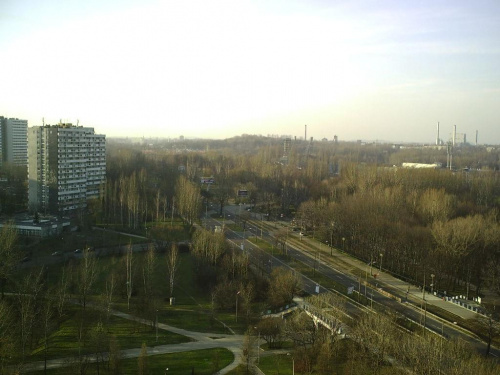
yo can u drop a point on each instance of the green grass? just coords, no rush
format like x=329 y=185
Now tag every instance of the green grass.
x=276 y=364
x=70 y=241
x=204 y=362
x=240 y=370
x=342 y=362
x=63 y=342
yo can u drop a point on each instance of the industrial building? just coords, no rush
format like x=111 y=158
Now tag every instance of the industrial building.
x=66 y=167
x=13 y=141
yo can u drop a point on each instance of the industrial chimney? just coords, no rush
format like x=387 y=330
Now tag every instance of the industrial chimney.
x=437 y=138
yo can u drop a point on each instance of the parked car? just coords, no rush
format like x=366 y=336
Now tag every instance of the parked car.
x=77 y=251
x=56 y=253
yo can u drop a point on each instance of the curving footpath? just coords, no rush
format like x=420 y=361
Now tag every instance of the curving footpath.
x=201 y=341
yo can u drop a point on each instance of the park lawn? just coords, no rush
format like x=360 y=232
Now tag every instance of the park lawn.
x=63 y=342
x=342 y=362
x=191 y=309
x=170 y=231
x=240 y=370
x=70 y=241
x=276 y=364
x=204 y=362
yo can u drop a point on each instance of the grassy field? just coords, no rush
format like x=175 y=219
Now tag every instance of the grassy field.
x=342 y=362
x=69 y=241
x=191 y=310
x=63 y=342
x=203 y=362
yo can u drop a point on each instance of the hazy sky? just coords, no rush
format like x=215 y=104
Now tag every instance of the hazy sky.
x=372 y=70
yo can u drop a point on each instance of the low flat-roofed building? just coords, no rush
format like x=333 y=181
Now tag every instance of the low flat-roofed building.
x=45 y=226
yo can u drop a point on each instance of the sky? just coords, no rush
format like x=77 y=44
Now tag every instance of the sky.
x=372 y=70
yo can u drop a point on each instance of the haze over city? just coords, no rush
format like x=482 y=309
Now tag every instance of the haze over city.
x=386 y=70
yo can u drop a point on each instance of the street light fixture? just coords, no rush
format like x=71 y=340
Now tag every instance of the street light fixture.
x=432 y=283
x=237 y=306
x=381 y=256
x=156 y=325
x=343 y=244
x=258 y=345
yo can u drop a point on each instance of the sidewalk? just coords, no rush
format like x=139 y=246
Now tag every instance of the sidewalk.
x=201 y=341
x=384 y=278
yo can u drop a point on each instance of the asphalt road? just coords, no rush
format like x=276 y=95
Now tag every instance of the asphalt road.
x=408 y=310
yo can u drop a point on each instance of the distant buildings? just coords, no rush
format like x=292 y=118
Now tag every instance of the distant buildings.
x=66 y=167
x=13 y=141
x=422 y=165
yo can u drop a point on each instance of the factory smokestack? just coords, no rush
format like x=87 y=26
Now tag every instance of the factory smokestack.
x=305 y=132
x=476 y=136
x=454 y=135
x=437 y=138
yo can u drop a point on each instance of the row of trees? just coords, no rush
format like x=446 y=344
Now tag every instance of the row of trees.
x=407 y=216
x=145 y=185
x=414 y=223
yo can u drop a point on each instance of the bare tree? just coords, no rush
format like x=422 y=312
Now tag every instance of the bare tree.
x=7 y=334
x=99 y=342
x=148 y=270
x=9 y=258
x=283 y=286
x=142 y=361
x=271 y=330
x=28 y=305
x=249 y=350
x=110 y=288
x=115 y=357
x=172 y=265
x=47 y=313
x=129 y=262
x=87 y=273
x=158 y=201
x=246 y=294
x=61 y=290
x=188 y=199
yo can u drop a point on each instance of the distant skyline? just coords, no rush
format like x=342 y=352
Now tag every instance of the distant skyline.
x=371 y=70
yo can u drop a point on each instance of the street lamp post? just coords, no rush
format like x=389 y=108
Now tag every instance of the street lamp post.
x=156 y=325
x=366 y=277
x=261 y=224
x=343 y=244
x=381 y=256
x=371 y=264
x=258 y=345
x=432 y=283
x=237 y=306
x=425 y=304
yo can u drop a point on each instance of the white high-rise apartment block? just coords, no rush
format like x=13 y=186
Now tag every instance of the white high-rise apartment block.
x=66 y=167
x=14 y=140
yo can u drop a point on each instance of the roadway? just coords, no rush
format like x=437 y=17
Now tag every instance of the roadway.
x=409 y=309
